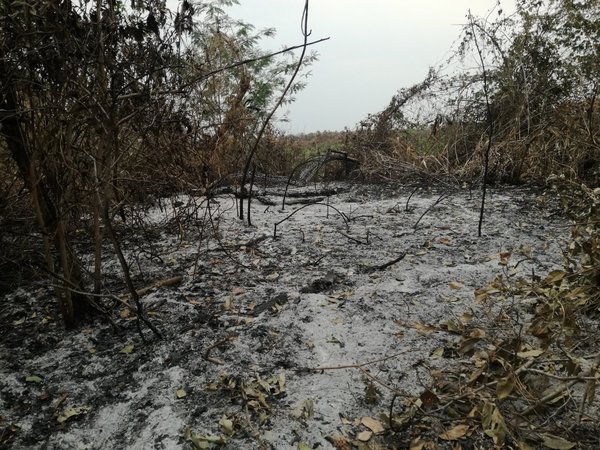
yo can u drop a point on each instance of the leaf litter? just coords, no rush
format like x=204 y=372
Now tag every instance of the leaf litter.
x=344 y=332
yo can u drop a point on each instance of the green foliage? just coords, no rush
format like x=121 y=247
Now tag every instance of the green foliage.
x=106 y=103
x=582 y=285
x=542 y=70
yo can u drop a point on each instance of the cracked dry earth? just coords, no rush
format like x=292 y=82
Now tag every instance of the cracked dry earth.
x=254 y=316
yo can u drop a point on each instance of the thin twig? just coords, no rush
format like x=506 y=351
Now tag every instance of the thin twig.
x=263 y=128
x=358 y=241
x=244 y=62
x=225 y=340
x=125 y=268
x=356 y=366
x=439 y=200
x=490 y=120
x=341 y=214
x=385 y=265
x=558 y=377
x=409 y=197
x=362 y=368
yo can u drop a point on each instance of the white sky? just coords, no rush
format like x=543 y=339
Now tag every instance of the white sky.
x=376 y=48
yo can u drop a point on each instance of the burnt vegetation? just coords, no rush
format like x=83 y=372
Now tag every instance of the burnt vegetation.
x=109 y=108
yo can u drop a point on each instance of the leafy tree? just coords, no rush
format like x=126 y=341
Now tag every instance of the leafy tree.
x=543 y=66
x=105 y=102
x=536 y=75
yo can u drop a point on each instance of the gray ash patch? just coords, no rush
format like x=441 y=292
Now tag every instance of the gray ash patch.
x=251 y=309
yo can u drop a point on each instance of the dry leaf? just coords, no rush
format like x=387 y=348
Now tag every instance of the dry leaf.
x=540 y=329
x=204 y=442
x=127 y=349
x=555 y=392
x=33 y=379
x=477 y=333
x=423 y=328
x=374 y=425
x=530 y=353
x=458 y=432
x=72 y=412
x=455 y=285
x=226 y=425
x=452 y=325
x=514 y=271
x=523 y=446
x=466 y=318
x=437 y=353
x=339 y=442
x=303 y=410
x=504 y=387
x=481 y=295
x=590 y=391
x=476 y=374
x=473 y=413
x=555 y=276
x=364 y=436
x=504 y=258
x=467 y=345
x=281 y=382
x=493 y=423
x=418 y=444
x=556 y=442
x=428 y=398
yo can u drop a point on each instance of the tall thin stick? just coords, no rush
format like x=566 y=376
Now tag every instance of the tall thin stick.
x=306 y=34
x=141 y=315
x=490 y=127
x=250 y=193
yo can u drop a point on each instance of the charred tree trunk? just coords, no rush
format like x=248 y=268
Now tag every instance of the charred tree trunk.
x=74 y=307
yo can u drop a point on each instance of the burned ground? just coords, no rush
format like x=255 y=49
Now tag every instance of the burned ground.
x=298 y=341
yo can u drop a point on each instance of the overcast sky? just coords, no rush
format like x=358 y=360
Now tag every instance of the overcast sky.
x=376 y=48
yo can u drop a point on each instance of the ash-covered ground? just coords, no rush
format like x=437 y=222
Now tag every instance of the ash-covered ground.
x=282 y=342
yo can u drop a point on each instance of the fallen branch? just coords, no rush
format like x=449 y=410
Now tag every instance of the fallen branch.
x=554 y=392
x=385 y=265
x=223 y=341
x=341 y=214
x=305 y=201
x=265 y=200
x=319 y=193
x=161 y=283
x=560 y=388
x=362 y=368
x=358 y=241
x=354 y=366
